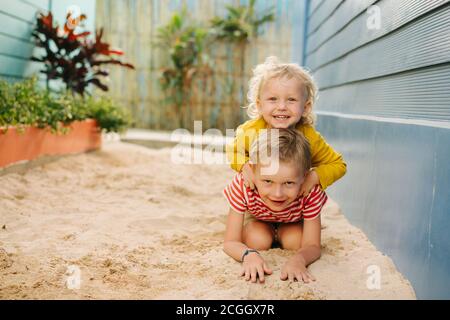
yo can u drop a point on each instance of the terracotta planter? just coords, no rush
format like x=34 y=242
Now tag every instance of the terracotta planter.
x=34 y=142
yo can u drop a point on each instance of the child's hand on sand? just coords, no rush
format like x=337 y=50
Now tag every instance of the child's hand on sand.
x=311 y=180
x=253 y=267
x=247 y=172
x=295 y=268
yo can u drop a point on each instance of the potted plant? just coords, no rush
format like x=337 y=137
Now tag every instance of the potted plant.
x=36 y=122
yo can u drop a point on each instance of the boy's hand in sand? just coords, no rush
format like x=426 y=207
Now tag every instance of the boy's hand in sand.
x=294 y=269
x=311 y=180
x=254 y=267
x=247 y=172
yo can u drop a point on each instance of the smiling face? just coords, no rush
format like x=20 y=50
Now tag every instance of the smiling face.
x=279 y=190
x=282 y=103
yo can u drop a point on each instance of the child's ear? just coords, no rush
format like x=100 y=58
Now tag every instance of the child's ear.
x=305 y=174
x=307 y=107
x=253 y=166
x=258 y=104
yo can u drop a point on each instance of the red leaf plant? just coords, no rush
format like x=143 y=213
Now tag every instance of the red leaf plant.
x=73 y=57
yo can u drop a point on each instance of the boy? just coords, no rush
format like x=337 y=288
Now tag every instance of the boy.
x=274 y=211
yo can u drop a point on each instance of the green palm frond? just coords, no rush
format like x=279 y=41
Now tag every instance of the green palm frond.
x=241 y=23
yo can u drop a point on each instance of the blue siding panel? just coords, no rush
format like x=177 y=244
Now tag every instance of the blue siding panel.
x=15 y=27
x=315 y=6
x=16 y=24
x=345 y=13
x=42 y=5
x=385 y=105
x=424 y=43
x=323 y=12
x=396 y=174
x=20 y=10
x=11 y=66
x=15 y=47
x=416 y=94
x=347 y=29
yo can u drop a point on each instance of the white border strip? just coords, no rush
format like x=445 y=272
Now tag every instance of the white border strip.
x=428 y=123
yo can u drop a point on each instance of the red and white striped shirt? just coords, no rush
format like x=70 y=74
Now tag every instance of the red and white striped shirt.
x=242 y=199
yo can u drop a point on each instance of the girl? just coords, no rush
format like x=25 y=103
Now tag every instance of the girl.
x=282 y=95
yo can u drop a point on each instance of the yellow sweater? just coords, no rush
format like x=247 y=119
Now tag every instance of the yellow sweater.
x=328 y=164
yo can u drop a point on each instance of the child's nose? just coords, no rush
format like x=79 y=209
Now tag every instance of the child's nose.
x=278 y=192
x=282 y=105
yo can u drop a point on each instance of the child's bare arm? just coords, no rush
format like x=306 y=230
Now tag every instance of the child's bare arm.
x=253 y=265
x=310 y=249
x=295 y=267
x=233 y=245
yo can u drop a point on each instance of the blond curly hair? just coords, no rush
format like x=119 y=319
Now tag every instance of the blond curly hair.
x=273 y=68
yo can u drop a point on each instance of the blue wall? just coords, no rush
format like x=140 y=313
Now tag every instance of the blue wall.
x=16 y=23
x=16 y=46
x=384 y=103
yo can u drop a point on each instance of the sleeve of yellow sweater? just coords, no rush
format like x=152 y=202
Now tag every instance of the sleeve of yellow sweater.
x=328 y=164
x=238 y=150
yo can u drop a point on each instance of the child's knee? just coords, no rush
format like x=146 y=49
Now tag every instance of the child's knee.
x=290 y=237
x=258 y=235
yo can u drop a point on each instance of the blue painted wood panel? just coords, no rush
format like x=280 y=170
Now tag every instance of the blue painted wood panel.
x=346 y=30
x=397 y=190
x=423 y=43
x=417 y=94
x=16 y=46
x=16 y=23
x=385 y=105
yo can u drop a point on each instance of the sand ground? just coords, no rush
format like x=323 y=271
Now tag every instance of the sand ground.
x=137 y=226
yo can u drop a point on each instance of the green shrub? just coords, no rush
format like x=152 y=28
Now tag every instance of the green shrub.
x=25 y=104
x=110 y=116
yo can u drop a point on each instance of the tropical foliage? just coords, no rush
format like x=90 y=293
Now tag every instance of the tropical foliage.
x=185 y=42
x=241 y=24
x=72 y=57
